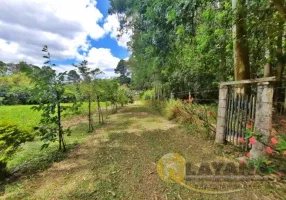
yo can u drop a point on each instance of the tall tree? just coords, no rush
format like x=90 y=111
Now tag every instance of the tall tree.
x=87 y=76
x=73 y=77
x=240 y=43
x=122 y=70
x=49 y=91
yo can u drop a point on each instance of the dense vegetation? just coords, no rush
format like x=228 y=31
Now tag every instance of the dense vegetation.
x=193 y=45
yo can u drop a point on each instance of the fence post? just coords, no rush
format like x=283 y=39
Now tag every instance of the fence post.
x=221 y=117
x=263 y=117
x=172 y=95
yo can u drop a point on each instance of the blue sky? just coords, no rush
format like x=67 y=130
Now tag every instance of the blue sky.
x=73 y=30
x=106 y=42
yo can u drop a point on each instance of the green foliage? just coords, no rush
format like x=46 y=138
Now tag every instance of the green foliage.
x=11 y=137
x=49 y=91
x=263 y=165
x=21 y=95
x=122 y=69
x=148 y=94
x=123 y=95
x=30 y=159
x=189 y=44
x=87 y=87
x=275 y=147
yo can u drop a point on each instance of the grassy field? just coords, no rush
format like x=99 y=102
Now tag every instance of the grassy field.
x=119 y=161
x=23 y=115
x=30 y=158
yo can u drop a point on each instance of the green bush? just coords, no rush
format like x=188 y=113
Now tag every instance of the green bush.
x=17 y=96
x=148 y=94
x=171 y=110
x=11 y=137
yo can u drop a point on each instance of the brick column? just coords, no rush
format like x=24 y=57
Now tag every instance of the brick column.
x=221 y=117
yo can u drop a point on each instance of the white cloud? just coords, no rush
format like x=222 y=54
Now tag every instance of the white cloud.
x=97 y=58
x=63 y=25
x=103 y=59
x=112 y=26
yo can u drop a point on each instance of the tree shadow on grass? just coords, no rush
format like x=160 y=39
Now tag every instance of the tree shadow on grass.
x=42 y=161
x=31 y=159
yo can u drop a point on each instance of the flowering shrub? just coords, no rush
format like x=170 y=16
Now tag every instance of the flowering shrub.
x=275 y=148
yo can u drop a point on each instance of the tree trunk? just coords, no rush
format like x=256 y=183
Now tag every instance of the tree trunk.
x=280 y=67
x=106 y=110
x=100 y=115
x=281 y=7
x=267 y=66
x=90 y=125
x=240 y=44
x=222 y=64
x=60 y=129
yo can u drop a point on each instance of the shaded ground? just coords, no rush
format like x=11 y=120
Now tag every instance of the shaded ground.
x=119 y=162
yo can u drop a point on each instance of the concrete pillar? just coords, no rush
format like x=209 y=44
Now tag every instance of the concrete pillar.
x=221 y=117
x=263 y=117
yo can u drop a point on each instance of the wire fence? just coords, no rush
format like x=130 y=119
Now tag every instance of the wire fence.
x=211 y=96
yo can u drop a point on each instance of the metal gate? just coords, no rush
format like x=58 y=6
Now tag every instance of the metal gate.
x=239 y=117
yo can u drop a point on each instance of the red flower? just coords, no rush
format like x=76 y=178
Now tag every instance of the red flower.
x=199 y=121
x=252 y=140
x=274 y=140
x=241 y=161
x=202 y=129
x=269 y=150
x=248 y=126
x=284 y=153
x=209 y=112
x=241 y=140
x=247 y=154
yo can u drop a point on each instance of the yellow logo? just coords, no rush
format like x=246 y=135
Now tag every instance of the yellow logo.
x=171 y=168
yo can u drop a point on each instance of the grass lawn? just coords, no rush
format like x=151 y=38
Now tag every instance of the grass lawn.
x=23 y=115
x=119 y=161
x=30 y=158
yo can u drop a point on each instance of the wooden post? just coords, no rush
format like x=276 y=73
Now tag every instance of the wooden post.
x=172 y=95
x=221 y=118
x=263 y=117
x=189 y=97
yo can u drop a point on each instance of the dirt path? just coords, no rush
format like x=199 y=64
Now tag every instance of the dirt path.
x=119 y=162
